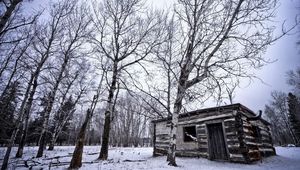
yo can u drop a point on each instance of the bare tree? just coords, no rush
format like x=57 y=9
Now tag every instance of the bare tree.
x=16 y=67
x=76 y=161
x=217 y=41
x=277 y=112
x=126 y=35
x=129 y=120
x=67 y=107
x=74 y=24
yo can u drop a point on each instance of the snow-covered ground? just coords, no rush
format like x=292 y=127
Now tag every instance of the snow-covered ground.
x=141 y=158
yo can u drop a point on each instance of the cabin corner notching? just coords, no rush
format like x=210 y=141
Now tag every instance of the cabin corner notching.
x=230 y=133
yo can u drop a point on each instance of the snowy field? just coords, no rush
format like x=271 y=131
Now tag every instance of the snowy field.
x=141 y=158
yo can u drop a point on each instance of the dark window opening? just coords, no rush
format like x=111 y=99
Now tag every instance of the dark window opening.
x=189 y=134
x=256 y=133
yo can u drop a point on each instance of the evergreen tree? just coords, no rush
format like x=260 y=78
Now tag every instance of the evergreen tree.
x=294 y=115
x=61 y=123
x=35 y=126
x=8 y=102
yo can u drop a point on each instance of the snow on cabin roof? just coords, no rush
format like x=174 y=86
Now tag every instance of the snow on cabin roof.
x=236 y=106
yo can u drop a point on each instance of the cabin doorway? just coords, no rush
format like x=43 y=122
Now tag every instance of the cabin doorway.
x=216 y=142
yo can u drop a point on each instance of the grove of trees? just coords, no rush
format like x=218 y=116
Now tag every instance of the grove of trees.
x=96 y=72
x=283 y=112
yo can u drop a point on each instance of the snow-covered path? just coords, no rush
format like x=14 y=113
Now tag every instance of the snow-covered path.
x=120 y=158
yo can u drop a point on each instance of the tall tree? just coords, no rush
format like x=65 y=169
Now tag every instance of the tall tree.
x=293 y=79
x=294 y=115
x=73 y=25
x=126 y=35
x=218 y=40
x=76 y=161
x=19 y=69
x=8 y=104
x=64 y=114
x=277 y=110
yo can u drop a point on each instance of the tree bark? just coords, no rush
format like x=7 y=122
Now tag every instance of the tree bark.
x=77 y=154
x=177 y=108
x=182 y=86
x=105 y=135
x=76 y=161
x=51 y=145
x=19 y=153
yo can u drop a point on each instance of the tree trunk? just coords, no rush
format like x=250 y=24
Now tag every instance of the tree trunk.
x=54 y=136
x=8 y=150
x=41 y=143
x=105 y=135
x=17 y=126
x=182 y=86
x=52 y=142
x=49 y=108
x=8 y=13
x=174 y=123
x=19 y=153
x=76 y=161
x=77 y=154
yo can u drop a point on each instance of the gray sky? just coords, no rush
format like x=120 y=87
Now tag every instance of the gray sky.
x=285 y=51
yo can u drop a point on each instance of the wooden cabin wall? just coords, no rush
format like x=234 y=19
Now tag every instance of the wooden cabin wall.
x=251 y=141
x=161 y=142
x=240 y=142
x=258 y=146
x=202 y=140
x=265 y=143
x=234 y=138
x=192 y=148
x=199 y=147
x=185 y=148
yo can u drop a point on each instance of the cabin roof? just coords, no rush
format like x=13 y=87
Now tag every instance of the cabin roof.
x=236 y=106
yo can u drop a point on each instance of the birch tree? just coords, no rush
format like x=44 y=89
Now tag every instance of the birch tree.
x=67 y=105
x=19 y=59
x=74 y=29
x=218 y=40
x=126 y=35
x=277 y=112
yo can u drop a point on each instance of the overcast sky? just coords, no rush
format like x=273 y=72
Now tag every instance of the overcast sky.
x=285 y=51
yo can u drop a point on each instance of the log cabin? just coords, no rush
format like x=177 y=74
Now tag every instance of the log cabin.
x=227 y=133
